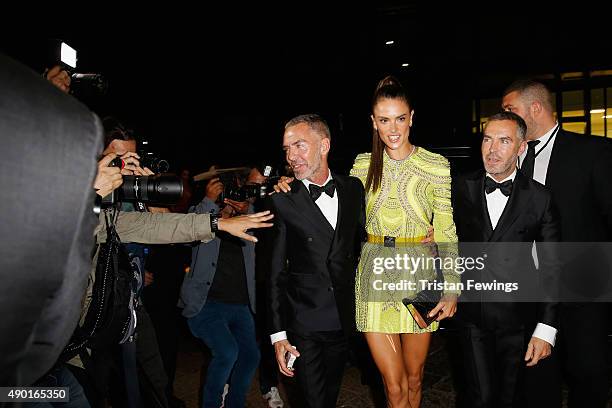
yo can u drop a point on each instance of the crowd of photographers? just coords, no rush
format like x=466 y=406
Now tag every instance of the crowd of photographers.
x=119 y=354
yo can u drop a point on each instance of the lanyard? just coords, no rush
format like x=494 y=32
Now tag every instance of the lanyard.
x=554 y=132
x=548 y=140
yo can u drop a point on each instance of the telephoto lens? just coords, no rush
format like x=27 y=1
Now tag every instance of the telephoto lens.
x=158 y=189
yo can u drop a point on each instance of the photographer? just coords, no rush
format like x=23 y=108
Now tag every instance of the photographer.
x=152 y=228
x=144 y=227
x=218 y=296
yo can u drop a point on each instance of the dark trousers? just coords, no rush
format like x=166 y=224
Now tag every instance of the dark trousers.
x=151 y=374
x=61 y=376
x=167 y=262
x=494 y=361
x=229 y=332
x=320 y=367
x=130 y=374
x=543 y=381
x=268 y=367
x=583 y=346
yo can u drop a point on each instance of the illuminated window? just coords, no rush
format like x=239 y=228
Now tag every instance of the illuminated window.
x=604 y=72
x=608 y=112
x=598 y=112
x=573 y=104
x=568 y=76
x=576 y=127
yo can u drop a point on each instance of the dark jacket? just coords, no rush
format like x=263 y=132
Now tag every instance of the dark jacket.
x=529 y=216
x=312 y=266
x=204 y=257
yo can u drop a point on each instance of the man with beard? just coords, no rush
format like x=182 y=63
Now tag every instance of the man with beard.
x=492 y=207
x=315 y=239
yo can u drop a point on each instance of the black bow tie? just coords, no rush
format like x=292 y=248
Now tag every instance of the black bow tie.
x=491 y=185
x=315 y=191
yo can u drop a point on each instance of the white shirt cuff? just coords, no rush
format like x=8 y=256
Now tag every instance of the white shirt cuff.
x=276 y=337
x=546 y=333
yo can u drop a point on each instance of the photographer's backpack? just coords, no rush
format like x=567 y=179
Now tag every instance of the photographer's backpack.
x=110 y=318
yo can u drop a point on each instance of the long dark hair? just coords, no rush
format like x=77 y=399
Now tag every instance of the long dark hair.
x=388 y=88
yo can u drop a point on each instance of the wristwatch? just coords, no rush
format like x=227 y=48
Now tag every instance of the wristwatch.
x=214 y=222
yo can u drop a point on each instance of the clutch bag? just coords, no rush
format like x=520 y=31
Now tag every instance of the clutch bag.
x=420 y=306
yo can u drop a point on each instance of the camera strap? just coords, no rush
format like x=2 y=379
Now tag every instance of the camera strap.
x=110 y=217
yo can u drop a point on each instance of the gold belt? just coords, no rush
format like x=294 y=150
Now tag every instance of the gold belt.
x=394 y=241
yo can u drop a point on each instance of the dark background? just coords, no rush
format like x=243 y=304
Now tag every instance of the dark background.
x=216 y=84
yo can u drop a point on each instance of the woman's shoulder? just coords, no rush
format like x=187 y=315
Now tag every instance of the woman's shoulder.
x=431 y=160
x=361 y=165
x=432 y=163
x=362 y=160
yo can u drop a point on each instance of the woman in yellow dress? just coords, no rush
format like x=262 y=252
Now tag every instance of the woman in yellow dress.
x=407 y=192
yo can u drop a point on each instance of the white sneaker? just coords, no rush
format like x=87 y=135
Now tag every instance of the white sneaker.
x=274 y=398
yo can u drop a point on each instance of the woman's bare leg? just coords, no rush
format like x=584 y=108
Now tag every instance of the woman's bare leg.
x=387 y=352
x=414 y=350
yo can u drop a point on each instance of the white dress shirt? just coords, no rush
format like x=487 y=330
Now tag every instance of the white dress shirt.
x=496 y=202
x=543 y=151
x=329 y=207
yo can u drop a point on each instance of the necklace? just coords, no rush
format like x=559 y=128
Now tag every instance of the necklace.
x=395 y=166
x=405 y=158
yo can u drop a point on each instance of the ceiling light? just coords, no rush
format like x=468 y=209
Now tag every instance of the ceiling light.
x=598 y=110
x=405 y=64
x=390 y=42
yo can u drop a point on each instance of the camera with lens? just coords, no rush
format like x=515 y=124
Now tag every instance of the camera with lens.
x=243 y=191
x=161 y=189
x=66 y=57
x=95 y=82
x=151 y=160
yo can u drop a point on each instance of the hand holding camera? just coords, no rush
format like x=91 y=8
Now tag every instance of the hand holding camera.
x=141 y=184
x=107 y=178
x=59 y=77
x=214 y=189
x=62 y=59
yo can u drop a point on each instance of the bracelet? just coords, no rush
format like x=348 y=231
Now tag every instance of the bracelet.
x=214 y=222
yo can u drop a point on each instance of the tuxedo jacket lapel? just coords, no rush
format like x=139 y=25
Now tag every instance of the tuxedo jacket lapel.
x=300 y=198
x=556 y=170
x=342 y=197
x=517 y=203
x=477 y=195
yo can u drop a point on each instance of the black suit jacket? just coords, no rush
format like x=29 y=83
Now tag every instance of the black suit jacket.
x=529 y=216
x=312 y=266
x=578 y=177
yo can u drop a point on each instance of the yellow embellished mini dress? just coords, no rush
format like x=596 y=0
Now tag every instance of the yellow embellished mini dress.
x=415 y=193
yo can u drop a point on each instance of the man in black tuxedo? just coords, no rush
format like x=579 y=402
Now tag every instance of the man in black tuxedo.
x=576 y=169
x=506 y=212
x=315 y=244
